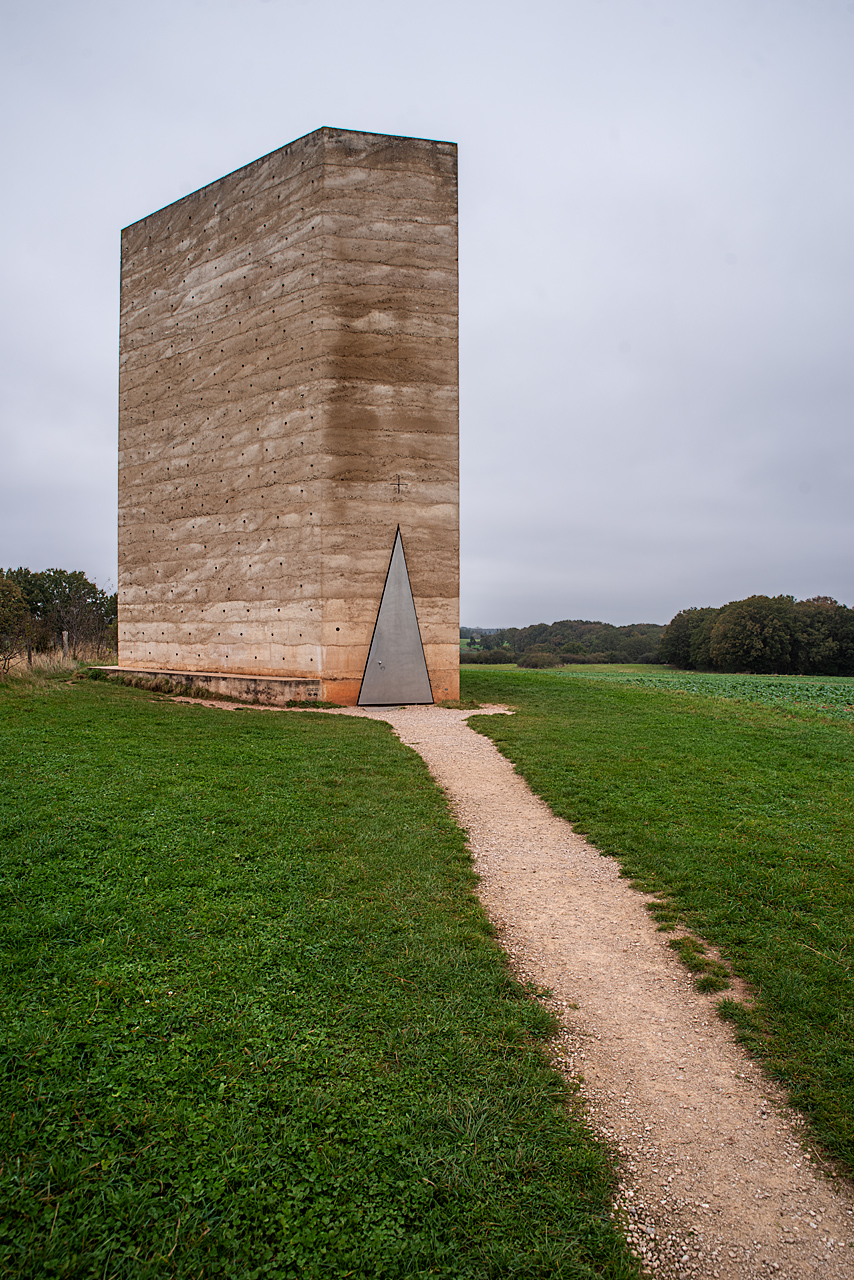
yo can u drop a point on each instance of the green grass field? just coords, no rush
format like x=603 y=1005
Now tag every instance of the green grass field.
x=254 y=1022
x=829 y=695
x=736 y=805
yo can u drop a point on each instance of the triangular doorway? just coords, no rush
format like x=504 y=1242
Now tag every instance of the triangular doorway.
x=396 y=671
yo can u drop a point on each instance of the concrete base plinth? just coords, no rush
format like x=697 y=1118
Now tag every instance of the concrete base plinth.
x=271 y=690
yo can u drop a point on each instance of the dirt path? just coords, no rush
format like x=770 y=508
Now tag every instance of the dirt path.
x=715 y=1181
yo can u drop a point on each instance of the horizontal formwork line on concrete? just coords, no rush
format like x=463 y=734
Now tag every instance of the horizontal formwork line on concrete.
x=336 y=235
x=269 y=448
x=371 y=359
x=328 y=315
x=184 y=344
x=430 y=506
x=329 y=275
x=361 y=393
x=214 y=240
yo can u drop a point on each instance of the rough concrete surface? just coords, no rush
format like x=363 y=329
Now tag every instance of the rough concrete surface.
x=288 y=397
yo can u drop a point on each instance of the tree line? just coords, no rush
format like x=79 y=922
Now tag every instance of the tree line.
x=553 y=644
x=775 y=635
x=41 y=612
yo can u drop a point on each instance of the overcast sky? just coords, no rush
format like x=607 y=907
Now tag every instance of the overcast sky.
x=656 y=266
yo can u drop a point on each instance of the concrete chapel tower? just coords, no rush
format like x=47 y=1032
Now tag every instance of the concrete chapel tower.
x=288 y=430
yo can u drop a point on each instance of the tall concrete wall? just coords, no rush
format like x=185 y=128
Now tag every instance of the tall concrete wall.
x=288 y=397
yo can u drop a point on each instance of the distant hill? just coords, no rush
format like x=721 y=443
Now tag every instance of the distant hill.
x=574 y=640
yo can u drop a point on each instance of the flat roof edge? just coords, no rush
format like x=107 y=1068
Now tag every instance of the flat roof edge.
x=362 y=133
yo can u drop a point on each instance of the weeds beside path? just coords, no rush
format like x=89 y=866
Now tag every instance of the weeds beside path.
x=255 y=1024
x=741 y=816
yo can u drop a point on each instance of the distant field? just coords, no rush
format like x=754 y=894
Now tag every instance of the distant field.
x=833 y=695
x=733 y=798
x=254 y=1023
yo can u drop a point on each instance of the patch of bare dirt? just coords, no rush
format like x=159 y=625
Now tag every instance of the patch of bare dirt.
x=715 y=1177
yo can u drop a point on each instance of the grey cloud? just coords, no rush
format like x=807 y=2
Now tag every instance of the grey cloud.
x=656 y=269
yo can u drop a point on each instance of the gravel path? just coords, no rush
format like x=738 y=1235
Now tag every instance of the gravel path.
x=715 y=1179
